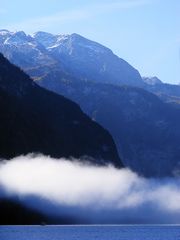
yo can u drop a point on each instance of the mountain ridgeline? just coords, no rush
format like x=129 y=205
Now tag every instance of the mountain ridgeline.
x=75 y=55
x=36 y=120
x=133 y=109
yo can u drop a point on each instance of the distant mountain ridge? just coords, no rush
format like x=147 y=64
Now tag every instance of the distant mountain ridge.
x=152 y=81
x=167 y=92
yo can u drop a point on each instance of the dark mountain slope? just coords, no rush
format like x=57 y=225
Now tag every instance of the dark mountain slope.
x=36 y=120
x=14 y=213
x=145 y=129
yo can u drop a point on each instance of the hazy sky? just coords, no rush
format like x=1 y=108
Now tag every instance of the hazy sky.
x=146 y=33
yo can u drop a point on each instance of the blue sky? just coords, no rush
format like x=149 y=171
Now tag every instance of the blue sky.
x=146 y=33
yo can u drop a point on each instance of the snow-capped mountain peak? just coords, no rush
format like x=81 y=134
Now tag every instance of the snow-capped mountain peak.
x=23 y=50
x=49 y=40
x=46 y=39
x=68 y=41
x=17 y=38
x=4 y=32
x=81 y=57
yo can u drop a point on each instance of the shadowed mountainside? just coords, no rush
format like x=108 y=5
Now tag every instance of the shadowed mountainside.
x=36 y=120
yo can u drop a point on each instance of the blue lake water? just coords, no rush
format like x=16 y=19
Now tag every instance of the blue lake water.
x=90 y=232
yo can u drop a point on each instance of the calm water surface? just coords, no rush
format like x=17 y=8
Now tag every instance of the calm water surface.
x=90 y=232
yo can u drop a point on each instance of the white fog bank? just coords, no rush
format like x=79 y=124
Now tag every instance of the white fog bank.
x=99 y=192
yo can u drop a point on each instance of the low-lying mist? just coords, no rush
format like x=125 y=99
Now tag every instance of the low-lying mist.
x=58 y=187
